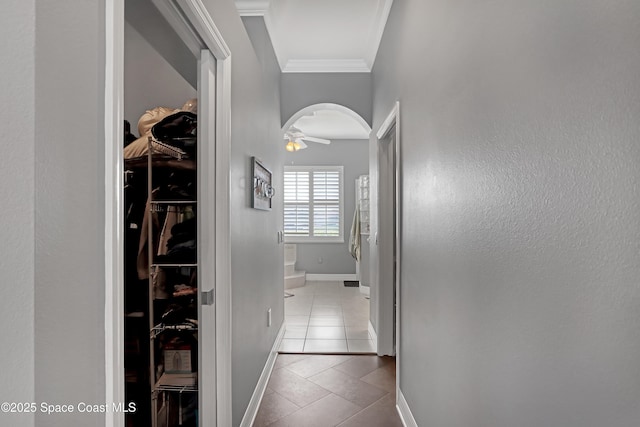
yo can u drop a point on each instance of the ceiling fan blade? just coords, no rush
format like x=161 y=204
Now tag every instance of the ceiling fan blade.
x=293 y=135
x=318 y=140
x=302 y=144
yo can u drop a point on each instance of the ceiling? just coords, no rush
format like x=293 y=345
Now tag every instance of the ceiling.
x=322 y=36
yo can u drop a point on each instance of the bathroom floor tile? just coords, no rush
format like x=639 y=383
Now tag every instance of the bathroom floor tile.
x=361 y=346
x=357 y=333
x=326 y=305
x=298 y=309
x=296 y=320
x=355 y=320
x=292 y=345
x=326 y=333
x=326 y=310
x=298 y=332
x=326 y=321
x=325 y=346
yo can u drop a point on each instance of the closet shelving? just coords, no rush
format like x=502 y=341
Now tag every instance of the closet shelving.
x=173 y=364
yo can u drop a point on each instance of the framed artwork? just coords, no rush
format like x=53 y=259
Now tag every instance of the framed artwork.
x=262 y=190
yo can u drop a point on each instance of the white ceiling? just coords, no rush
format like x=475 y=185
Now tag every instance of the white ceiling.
x=331 y=124
x=322 y=35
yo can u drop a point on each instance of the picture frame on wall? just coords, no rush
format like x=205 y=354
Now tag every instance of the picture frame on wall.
x=262 y=189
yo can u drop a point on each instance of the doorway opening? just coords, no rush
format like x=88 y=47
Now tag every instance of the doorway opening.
x=386 y=245
x=204 y=361
x=326 y=227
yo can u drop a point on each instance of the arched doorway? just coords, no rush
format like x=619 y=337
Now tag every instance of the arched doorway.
x=326 y=231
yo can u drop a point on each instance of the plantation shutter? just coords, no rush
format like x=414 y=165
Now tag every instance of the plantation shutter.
x=296 y=203
x=313 y=202
x=326 y=203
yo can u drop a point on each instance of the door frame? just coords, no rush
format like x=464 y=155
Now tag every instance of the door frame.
x=192 y=22
x=386 y=344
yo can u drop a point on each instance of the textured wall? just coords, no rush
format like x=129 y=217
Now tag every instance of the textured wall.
x=520 y=298
x=69 y=207
x=353 y=155
x=257 y=259
x=17 y=35
x=62 y=269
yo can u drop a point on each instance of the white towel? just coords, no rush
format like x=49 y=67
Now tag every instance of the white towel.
x=354 y=238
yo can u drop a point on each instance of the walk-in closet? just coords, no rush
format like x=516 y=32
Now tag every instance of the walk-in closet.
x=161 y=264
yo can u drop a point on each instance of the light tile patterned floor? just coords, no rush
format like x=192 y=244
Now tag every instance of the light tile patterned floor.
x=330 y=390
x=326 y=317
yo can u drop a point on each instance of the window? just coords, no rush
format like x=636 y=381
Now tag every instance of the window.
x=313 y=204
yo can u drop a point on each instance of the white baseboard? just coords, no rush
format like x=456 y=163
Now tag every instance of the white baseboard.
x=258 y=393
x=405 y=412
x=331 y=277
x=374 y=336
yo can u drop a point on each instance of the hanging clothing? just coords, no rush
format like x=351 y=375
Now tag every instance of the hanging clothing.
x=354 y=237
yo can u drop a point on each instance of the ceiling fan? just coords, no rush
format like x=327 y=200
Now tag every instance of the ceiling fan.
x=296 y=139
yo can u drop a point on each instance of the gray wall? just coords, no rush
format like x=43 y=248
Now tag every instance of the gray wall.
x=255 y=130
x=520 y=298
x=353 y=155
x=17 y=32
x=151 y=25
x=54 y=241
x=149 y=80
x=69 y=208
x=299 y=90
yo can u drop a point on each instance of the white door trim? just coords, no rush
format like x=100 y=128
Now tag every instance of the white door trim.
x=114 y=209
x=195 y=25
x=223 y=243
x=207 y=369
x=393 y=122
x=392 y=119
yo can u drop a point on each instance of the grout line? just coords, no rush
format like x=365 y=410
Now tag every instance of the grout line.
x=363 y=409
x=295 y=404
x=344 y=324
x=342 y=297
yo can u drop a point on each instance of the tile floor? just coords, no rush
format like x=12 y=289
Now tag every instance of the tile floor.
x=326 y=317
x=330 y=390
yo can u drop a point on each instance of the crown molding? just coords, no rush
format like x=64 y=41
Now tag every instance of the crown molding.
x=252 y=7
x=271 y=30
x=326 y=66
x=356 y=65
x=377 y=31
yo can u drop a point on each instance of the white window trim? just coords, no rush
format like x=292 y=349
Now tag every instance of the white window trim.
x=313 y=239
x=317 y=239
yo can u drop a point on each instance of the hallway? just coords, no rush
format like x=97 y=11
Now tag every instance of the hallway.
x=518 y=187
x=330 y=390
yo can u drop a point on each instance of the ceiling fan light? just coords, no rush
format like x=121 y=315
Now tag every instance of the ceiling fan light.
x=296 y=146
x=291 y=146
